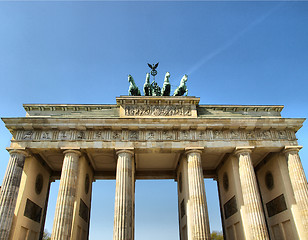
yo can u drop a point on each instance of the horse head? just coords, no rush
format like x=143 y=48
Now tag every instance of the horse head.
x=167 y=76
x=184 y=79
x=147 y=78
x=130 y=79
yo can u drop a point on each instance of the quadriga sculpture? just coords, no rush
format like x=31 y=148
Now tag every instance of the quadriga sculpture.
x=147 y=88
x=182 y=89
x=166 y=87
x=133 y=89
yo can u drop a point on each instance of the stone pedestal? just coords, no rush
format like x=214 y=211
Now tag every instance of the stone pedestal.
x=124 y=207
x=298 y=182
x=66 y=197
x=255 y=220
x=9 y=191
x=198 y=220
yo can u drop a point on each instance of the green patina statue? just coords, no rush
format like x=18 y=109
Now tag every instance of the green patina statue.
x=156 y=89
x=166 y=87
x=182 y=89
x=152 y=89
x=147 y=87
x=133 y=89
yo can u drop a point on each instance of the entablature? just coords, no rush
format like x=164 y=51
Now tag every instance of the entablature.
x=151 y=107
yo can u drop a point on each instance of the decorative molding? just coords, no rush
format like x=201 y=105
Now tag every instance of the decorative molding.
x=153 y=135
x=67 y=107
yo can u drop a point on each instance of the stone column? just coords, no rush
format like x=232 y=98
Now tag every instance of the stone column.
x=124 y=207
x=256 y=225
x=9 y=191
x=62 y=225
x=198 y=220
x=298 y=182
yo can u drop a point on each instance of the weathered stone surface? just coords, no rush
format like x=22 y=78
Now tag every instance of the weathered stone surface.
x=124 y=207
x=66 y=197
x=9 y=191
x=256 y=225
x=298 y=181
x=198 y=220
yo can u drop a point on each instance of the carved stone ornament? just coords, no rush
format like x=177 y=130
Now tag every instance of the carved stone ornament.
x=146 y=110
x=154 y=135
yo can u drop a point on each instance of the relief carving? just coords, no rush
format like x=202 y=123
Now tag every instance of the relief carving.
x=250 y=135
x=151 y=136
x=218 y=134
x=63 y=135
x=156 y=135
x=134 y=135
x=28 y=135
x=282 y=134
x=235 y=135
x=98 y=135
x=116 y=135
x=167 y=135
x=46 y=135
x=185 y=135
x=80 y=135
x=145 y=110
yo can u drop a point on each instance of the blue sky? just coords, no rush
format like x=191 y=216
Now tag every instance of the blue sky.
x=82 y=52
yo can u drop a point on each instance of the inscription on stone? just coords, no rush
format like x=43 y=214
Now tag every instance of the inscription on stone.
x=230 y=207
x=145 y=110
x=277 y=205
x=83 y=211
x=33 y=211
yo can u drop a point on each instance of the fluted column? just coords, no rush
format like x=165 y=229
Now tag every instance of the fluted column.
x=62 y=225
x=256 y=224
x=298 y=182
x=198 y=220
x=124 y=207
x=9 y=191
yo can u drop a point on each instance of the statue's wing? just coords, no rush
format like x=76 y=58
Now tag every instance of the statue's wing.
x=156 y=65
x=150 y=65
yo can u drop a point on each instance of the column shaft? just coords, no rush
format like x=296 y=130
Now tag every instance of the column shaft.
x=298 y=182
x=124 y=208
x=62 y=225
x=199 y=228
x=253 y=207
x=9 y=191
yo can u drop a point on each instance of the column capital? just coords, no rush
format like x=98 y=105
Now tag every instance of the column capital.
x=124 y=150
x=76 y=151
x=288 y=149
x=243 y=149
x=189 y=150
x=18 y=150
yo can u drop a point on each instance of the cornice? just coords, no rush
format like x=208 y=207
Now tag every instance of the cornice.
x=27 y=123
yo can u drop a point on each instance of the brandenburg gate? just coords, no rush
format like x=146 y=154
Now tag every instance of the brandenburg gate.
x=251 y=151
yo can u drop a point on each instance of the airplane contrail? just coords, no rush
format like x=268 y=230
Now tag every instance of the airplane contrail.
x=231 y=41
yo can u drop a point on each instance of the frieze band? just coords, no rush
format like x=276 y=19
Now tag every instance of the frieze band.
x=153 y=135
